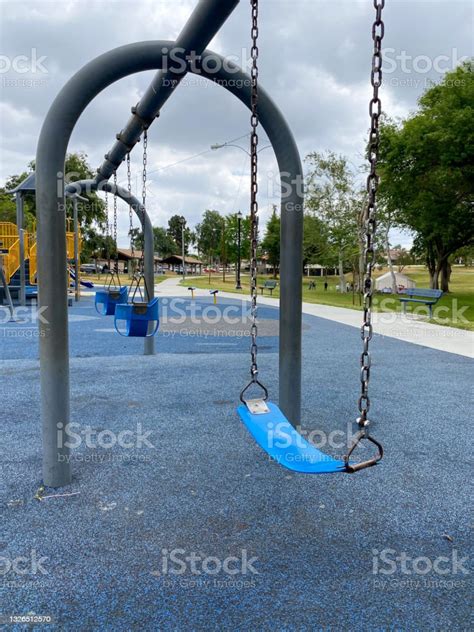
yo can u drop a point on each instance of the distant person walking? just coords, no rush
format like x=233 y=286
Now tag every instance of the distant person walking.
x=325 y=286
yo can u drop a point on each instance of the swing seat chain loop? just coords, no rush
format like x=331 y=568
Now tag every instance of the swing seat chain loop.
x=254 y=382
x=356 y=467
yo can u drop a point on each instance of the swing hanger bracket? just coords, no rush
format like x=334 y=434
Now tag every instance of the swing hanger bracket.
x=102 y=177
x=128 y=147
x=145 y=123
x=115 y=165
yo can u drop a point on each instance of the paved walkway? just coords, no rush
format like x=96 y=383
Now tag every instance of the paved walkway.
x=390 y=324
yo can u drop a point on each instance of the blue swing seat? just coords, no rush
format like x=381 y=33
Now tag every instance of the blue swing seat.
x=107 y=300
x=279 y=439
x=137 y=320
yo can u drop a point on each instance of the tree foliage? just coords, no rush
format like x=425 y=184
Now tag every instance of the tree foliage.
x=231 y=237
x=89 y=213
x=209 y=233
x=271 y=241
x=175 y=234
x=333 y=198
x=164 y=242
x=427 y=170
x=316 y=246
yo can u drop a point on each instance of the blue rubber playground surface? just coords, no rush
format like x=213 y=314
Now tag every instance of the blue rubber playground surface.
x=179 y=521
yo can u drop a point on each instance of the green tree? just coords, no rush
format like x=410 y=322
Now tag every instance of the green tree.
x=8 y=208
x=164 y=243
x=96 y=245
x=427 y=171
x=175 y=227
x=209 y=234
x=316 y=246
x=136 y=237
x=333 y=198
x=271 y=241
x=231 y=237
x=89 y=213
x=465 y=256
x=77 y=168
x=8 y=203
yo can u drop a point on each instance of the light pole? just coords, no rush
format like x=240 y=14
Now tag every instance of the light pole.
x=239 y=226
x=215 y=147
x=183 y=224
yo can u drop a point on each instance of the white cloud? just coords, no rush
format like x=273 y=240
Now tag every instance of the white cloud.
x=315 y=63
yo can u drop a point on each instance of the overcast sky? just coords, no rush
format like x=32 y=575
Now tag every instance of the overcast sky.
x=314 y=60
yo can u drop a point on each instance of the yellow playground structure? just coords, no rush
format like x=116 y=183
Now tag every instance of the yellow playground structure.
x=10 y=251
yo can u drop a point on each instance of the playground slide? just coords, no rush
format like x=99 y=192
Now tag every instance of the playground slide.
x=87 y=284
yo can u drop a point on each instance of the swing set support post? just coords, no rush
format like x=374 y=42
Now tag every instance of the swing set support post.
x=52 y=274
x=79 y=91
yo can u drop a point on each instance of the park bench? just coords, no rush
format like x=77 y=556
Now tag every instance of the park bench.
x=268 y=285
x=425 y=296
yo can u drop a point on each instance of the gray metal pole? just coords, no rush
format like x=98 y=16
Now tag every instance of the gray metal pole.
x=76 y=251
x=52 y=274
x=147 y=227
x=21 y=235
x=203 y=24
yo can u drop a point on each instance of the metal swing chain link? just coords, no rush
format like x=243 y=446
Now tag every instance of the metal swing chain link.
x=254 y=190
x=107 y=227
x=145 y=160
x=130 y=211
x=375 y=110
x=144 y=175
x=251 y=403
x=107 y=213
x=115 y=224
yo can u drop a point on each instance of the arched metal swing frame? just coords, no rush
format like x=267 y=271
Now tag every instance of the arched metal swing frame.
x=51 y=153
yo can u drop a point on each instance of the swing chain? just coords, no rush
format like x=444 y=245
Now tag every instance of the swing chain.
x=107 y=227
x=145 y=160
x=130 y=210
x=144 y=176
x=110 y=277
x=115 y=224
x=254 y=189
x=375 y=110
x=254 y=405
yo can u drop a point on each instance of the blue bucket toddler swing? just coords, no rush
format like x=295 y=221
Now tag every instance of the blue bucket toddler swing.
x=107 y=299
x=139 y=317
x=264 y=420
x=135 y=315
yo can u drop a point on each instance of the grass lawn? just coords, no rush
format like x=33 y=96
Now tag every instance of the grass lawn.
x=458 y=305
